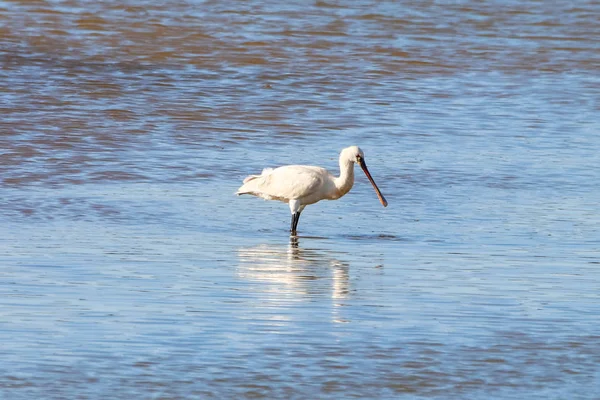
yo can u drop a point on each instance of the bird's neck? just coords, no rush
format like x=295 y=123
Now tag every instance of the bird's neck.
x=345 y=181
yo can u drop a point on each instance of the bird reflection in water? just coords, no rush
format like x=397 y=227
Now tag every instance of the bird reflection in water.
x=293 y=273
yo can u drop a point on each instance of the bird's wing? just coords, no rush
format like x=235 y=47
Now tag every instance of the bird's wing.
x=292 y=181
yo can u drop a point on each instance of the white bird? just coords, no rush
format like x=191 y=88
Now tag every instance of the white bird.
x=301 y=185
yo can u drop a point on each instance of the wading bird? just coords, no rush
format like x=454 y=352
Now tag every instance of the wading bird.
x=301 y=185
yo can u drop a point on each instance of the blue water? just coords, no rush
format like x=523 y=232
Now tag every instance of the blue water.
x=128 y=268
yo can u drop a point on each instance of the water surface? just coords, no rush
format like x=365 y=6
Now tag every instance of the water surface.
x=130 y=270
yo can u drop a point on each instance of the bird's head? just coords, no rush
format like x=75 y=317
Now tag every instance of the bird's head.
x=355 y=154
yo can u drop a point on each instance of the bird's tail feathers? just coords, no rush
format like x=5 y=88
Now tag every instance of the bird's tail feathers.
x=249 y=178
x=264 y=172
x=251 y=189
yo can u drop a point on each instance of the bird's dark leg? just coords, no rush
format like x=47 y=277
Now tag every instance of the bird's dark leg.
x=296 y=208
x=294 y=225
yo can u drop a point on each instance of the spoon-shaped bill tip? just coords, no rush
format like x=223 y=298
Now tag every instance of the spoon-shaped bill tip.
x=382 y=200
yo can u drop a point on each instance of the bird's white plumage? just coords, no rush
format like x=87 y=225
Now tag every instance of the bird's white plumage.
x=302 y=182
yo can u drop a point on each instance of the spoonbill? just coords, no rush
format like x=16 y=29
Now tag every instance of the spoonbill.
x=301 y=185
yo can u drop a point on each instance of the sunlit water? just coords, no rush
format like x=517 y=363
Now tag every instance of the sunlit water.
x=128 y=269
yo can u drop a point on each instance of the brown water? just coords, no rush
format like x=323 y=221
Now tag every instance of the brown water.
x=129 y=270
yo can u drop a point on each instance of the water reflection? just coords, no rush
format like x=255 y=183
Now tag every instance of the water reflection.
x=295 y=270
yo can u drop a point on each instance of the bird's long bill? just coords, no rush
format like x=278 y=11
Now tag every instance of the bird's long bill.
x=366 y=171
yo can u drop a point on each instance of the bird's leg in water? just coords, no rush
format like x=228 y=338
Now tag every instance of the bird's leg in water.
x=296 y=209
x=295 y=219
x=294 y=243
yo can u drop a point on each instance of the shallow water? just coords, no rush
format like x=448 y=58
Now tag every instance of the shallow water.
x=129 y=269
